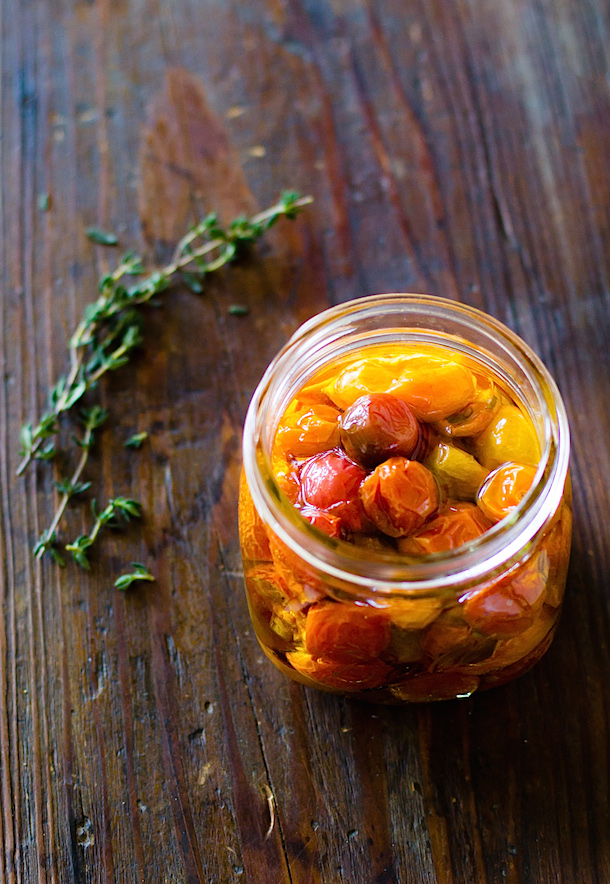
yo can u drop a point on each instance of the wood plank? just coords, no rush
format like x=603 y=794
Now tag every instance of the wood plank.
x=455 y=148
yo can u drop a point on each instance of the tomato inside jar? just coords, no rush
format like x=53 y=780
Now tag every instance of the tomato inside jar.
x=411 y=456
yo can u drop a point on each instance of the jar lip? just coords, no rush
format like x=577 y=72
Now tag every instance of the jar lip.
x=501 y=544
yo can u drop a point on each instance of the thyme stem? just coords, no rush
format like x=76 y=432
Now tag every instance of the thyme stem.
x=107 y=334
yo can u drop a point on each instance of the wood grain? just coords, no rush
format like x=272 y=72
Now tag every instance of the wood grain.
x=459 y=148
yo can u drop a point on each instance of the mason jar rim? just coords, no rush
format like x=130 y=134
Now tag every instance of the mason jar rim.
x=502 y=545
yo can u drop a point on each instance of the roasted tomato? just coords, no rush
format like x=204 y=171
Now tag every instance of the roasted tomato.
x=399 y=495
x=504 y=488
x=435 y=387
x=510 y=606
x=330 y=482
x=323 y=521
x=378 y=426
x=307 y=429
x=458 y=473
x=477 y=415
x=346 y=631
x=334 y=676
x=509 y=437
x=456 y=524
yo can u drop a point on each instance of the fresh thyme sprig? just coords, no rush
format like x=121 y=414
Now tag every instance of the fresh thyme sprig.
x=104 y=340
x=140 y=572
x=93 y=418
x=110 y=329
x=120 y=509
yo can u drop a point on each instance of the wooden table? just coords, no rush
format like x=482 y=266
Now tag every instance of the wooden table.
x=459 y=147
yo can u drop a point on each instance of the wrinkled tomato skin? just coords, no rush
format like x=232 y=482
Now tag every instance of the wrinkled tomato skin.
x=325 y=522
x=399 y=495
x=346 y=632
x=330 y=481
x=456 y=524
x=510 y=606
x=378 y=426
x=504 y=488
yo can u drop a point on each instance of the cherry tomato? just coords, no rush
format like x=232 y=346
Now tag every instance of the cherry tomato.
x=456 y=524
x=399 y=495
x=307 y=429
x=509 y=437
x=477 y=415
x=375 y=374
x=504 y=488
x=323 y=521
x=434 y=386
x=346 y=631
x=458 y=473
x=252 y=533
x=330 y=481
x=378 y=426
x=331 y=675
x=510 y=606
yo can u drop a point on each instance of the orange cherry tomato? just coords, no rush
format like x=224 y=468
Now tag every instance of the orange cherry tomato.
x=510 y=606
x=331 y=675
x=378 y=426
x=286 y=475
x=330 y=481
x=456 y=524
x=307 y=429
x=346 y=632
x=504 y=488
x=399 y=495
x=435 y=387
x=477 y=415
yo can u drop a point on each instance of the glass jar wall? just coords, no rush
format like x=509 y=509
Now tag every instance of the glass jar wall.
x=367 y=611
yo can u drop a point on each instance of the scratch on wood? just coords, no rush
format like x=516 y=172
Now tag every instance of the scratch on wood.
x=271 y=806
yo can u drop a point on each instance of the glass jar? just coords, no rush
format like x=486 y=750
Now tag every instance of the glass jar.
x=436 y=627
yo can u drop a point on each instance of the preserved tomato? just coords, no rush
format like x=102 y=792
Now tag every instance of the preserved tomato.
x=378 y=426
x=399 y=495
x=308 y=428
x=504 y=489
x=456 y=524
x=346 y=631
x=397 y=457
x=330 y=482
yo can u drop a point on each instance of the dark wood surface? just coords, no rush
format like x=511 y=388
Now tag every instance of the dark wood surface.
x=459 y=147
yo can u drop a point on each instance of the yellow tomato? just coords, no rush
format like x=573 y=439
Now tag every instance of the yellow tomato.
x=509 y=437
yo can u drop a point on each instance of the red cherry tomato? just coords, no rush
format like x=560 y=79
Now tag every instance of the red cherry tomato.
x=346 y=632
x=323 y=521
x=330 y=482
x=399 y=495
